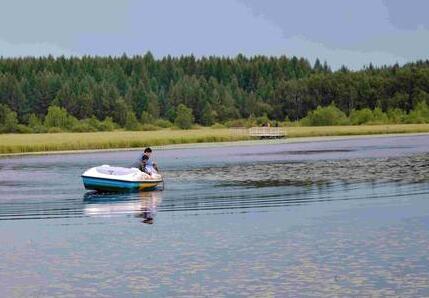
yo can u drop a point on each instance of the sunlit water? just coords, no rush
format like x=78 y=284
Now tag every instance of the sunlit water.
x=347 y=218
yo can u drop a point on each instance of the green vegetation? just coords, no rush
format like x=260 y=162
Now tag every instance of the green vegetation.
x=331 y=115
x=184 y=118
x=58 y=117
x=350 y=130
x=420 y=114
x=22 y=143
x=8 y=119
x=141 y=93
x=326 y=116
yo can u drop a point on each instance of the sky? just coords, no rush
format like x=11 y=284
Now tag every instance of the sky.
x=353 y=33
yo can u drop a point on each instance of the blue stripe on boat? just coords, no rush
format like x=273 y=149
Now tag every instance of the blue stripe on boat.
x=106 y=184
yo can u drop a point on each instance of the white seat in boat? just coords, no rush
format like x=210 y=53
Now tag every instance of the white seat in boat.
x=116 y=171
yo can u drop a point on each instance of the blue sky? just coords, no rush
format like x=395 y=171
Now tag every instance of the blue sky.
x=349 y=32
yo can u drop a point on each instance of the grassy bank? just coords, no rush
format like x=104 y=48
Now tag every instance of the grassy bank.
x=350 y=130
x=23 y=143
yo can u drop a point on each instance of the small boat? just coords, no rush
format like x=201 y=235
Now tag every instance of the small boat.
x=108 y=178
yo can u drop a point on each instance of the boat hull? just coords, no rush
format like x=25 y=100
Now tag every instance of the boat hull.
x=104 y=184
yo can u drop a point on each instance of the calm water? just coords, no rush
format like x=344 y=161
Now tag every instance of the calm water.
x=343 y=218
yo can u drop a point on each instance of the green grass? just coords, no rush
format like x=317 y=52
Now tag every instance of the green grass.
x=25 y=143
x=350 y=130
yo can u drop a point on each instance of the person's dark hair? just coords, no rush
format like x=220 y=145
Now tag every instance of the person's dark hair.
x=147 y=150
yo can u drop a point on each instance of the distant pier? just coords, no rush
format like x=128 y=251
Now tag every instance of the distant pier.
x=262 y=132
x=267 y=132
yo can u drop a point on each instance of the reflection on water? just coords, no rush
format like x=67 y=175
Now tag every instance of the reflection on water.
x=343 y=218
x=142 y=204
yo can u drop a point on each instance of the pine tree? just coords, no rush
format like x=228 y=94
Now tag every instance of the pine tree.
x=153 y=105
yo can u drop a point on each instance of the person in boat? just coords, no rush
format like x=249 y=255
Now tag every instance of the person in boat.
x=146 y=163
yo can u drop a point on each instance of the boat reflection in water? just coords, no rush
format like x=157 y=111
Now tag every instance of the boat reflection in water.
x=140 y=204
x=149 y=202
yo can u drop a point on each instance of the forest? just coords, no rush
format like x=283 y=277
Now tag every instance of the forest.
x=143 y=93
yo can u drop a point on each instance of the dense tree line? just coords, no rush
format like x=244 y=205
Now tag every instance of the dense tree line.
x=140 y=90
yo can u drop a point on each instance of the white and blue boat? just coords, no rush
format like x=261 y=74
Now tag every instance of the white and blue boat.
x=108 y=178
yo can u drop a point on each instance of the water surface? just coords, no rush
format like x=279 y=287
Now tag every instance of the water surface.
x=345 y=217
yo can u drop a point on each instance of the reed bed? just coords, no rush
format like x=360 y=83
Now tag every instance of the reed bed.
x=24 y=143
x=349 y=130
x=27 y=143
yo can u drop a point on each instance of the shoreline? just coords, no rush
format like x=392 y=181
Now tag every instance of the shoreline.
x=215 y=144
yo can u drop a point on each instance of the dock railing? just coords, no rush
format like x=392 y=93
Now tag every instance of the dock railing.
x=261 y=132
x=267 y=132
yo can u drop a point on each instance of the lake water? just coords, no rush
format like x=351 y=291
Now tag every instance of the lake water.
x=344 y=217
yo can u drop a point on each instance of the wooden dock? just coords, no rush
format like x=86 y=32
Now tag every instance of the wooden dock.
x=267 y=132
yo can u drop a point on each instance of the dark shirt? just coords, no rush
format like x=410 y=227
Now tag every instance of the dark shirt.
x=145 y=164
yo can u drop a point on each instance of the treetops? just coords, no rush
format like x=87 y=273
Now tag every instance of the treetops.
x=136 y=92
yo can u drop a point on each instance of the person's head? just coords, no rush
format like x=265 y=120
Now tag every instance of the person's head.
x=147 y=151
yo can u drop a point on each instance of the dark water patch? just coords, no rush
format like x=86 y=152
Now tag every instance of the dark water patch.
x=304 y=152
x=315 y=151
x=410 y=169
x=270 y=183
x=13 y=183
